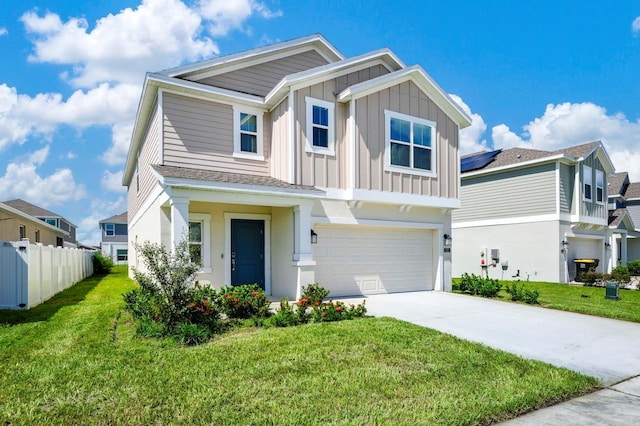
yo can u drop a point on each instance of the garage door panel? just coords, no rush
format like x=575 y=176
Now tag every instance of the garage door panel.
x=353 y=260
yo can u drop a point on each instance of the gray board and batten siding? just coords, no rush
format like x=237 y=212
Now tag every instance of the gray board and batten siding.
x=567 y=184
x=260 y=79
x=591 y=207
x=514 y=193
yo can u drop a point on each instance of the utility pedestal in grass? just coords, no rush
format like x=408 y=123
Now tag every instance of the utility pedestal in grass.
x=611 y=292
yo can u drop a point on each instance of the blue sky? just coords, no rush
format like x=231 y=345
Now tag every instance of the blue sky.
x=546 y=76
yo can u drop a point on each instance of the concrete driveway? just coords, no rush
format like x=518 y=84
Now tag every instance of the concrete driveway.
x=603 y=348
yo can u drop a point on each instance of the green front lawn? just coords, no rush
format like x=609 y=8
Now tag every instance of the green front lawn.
x=75 y=360
x=583 y=300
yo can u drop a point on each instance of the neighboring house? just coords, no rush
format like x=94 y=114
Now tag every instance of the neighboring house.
x=114 y=243
x=538 y=210
x=624 y=218
x=51 y=218
x=290 y=164
x=16 y=225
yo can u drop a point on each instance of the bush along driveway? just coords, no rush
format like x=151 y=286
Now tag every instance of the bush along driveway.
x=76 y=360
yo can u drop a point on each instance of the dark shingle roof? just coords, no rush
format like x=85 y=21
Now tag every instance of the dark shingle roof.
x=615 y=217
x=119 y=218
x=520 y=155
x=616 y=182
x=30 y=209
x=633 y=191
x=224 y=177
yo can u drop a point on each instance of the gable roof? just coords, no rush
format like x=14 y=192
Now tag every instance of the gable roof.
x=633 y=191
x=255 y=56
x=33 y=210
x=6 y=207
x=514 y=157
x=617 y=183
x=119 y=218
x=423 y=80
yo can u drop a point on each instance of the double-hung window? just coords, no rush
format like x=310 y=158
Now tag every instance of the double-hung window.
x=410 y=144
x=247 y=133
x=199 y=240
x=320 y=119
x=22 y=232
x=599 y=186
x=37 y=235
x=587 y=179
x=109 y=229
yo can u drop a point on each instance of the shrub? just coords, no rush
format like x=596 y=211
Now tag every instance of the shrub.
x=620 y=274
x=634 y=267
x=476 y=285
x=244 y=301
x=520 y=293
x=337 y=311
x=591 y=278
x=101 y=265
x=190 y=334
x=314 y=293
x=285 y=316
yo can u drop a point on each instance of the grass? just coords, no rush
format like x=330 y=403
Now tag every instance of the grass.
x=583 y=300
x=75 y=360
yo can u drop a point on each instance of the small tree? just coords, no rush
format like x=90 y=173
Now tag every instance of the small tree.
x=169 y=280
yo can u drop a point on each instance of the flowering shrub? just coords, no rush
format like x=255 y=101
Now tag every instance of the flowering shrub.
x=337 y=311
x=314 y=293
x=244 y=301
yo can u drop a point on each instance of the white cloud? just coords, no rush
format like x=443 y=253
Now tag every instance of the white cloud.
x=121 y=47
x=70 y=155
x=470 y=137
x=113 y=181
x=21 y=180
x=3 y=31
x=569 y=124
x=635 y=26
x=225 y=16
x=120 y=138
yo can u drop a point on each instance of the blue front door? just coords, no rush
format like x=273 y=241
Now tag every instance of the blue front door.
x=247 y=252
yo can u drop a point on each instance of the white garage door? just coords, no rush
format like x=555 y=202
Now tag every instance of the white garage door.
x=352 y=260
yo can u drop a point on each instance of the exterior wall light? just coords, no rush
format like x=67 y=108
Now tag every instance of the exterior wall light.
x=314 y=237
x=565 y=246
x=448 y=240
x=607 y=246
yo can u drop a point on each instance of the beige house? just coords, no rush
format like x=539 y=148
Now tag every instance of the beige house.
x=16 y=225
x=291 y=164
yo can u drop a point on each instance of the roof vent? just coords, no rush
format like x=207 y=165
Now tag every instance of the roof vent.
x=518 y=156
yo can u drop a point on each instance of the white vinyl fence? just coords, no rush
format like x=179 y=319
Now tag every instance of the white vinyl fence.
x=32 y=273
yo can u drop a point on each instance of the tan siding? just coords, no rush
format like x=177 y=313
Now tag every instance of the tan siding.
x=518 y=193
x=149 y=154
x=405 y=98
x=280 y=141
x=199 y=133
x=10 y=229
x=260 y=79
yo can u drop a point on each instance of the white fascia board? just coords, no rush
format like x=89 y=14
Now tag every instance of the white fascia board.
x=239 y=188
x=322 y=45
x=419 y=76
x=244 y=198
x=34 y=219
x=383 y=197
x=587 y=220
x=557 y=157
x=505 y=221
x=375 y=222
x=145 y=106
x=186 y=86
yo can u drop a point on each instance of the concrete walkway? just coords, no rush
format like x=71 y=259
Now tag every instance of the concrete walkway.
x=606 y=349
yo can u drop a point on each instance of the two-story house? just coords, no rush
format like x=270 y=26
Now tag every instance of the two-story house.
x=114 y=241
x=68 y=239
x=290 y=164
x=624 y=218
x=16 y=225
x=533 y=212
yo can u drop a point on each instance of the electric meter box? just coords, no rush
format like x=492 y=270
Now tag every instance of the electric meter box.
x=484 y=257
x=495 y=256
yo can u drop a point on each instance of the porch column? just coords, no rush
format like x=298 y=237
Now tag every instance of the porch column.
x=302 y=233
x=179 y=220
x=623 y=249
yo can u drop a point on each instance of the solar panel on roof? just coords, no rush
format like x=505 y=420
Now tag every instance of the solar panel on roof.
x=478 y=161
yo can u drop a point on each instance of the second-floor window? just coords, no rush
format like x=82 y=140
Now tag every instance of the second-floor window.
x=247 y=133
x=587 y=178
x=37 y=235
x=320 y=126
x=109 y=229
x=52 y=222
x=23 y=232
x=409 y=143
x=599 y=186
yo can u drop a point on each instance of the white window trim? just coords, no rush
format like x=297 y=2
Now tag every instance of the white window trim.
x=205 y=219
x=106 y=231
x=601 y=174
x=587 y=171
x=237 y=152
x=388 y=115
x=331 y=128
